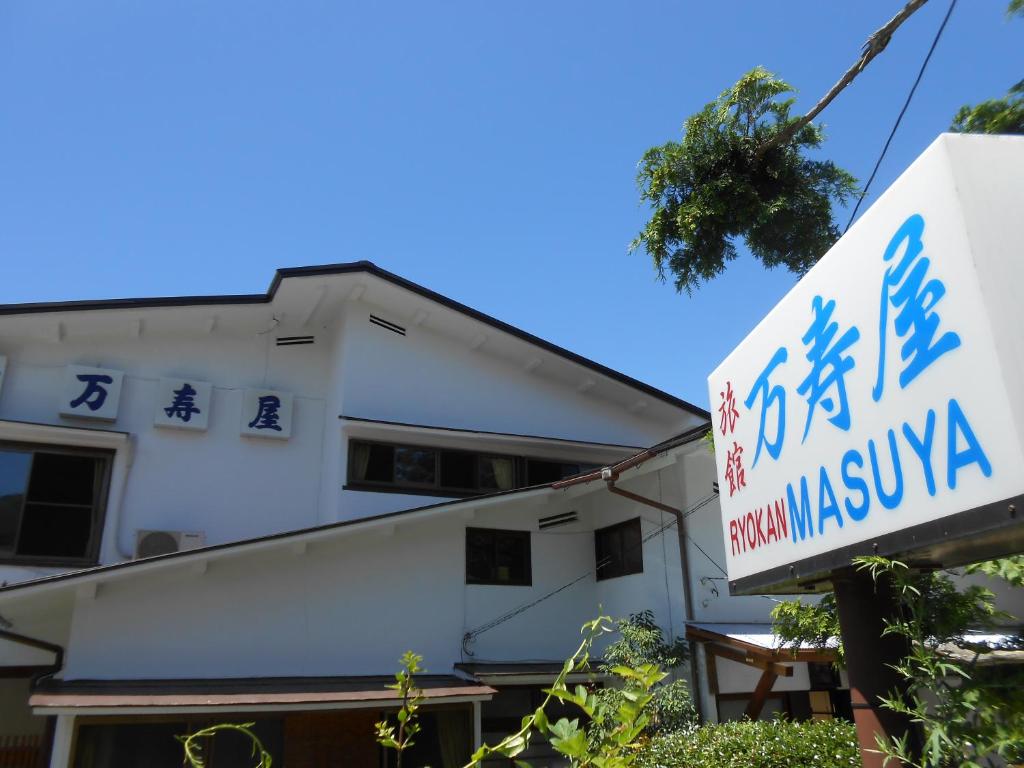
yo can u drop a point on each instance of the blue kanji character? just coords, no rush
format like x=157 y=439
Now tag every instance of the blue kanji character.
x=769 y=396
x=266 y=415
x=828 y=366
x=916 y=322
x=184 y=404
x=94 y=395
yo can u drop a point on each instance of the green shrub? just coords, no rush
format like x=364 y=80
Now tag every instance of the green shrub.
x=761 y=744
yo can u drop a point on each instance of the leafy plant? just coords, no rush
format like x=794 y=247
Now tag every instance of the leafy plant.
x=757 y=744
x=642 y=642
x=193 y=744
x=815 y=624
x=399 y=737
x=617 y=731
x=969 y=714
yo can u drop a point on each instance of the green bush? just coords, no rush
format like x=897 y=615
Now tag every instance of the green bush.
x=761 y=744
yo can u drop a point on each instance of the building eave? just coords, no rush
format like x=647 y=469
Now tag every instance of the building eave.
x=364 y=267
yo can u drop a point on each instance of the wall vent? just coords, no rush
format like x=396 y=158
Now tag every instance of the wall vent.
x=291 y=341
x=563 y=519
x=388 y=325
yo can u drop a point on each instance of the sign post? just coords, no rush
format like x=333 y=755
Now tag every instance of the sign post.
x=877 y=408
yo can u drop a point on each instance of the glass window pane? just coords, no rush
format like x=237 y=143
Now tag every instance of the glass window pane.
x=479 y=555
x=543 y=472
x=619 y=550
x=458 y=470
x=55 y=531
x=61 y=478
x=632 y=548
x=497 y=473
x=374 y=463
x=414 y=466
x=14 y=469
x=512 y=558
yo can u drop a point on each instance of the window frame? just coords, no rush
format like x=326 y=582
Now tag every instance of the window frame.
x=520 y=477
x=602 y=572
x=101 y=498
x=495 y=532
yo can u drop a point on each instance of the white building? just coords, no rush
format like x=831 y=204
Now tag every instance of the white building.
x=247 y=507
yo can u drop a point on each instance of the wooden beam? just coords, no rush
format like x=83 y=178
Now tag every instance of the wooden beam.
x=779 y=670
x=777 y=654
x=764 y=685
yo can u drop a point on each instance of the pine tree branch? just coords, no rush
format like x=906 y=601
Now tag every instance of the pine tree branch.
x=875 y=44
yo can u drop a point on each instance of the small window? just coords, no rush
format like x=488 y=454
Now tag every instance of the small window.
x=51 y=504
x=619 y=550
x=498 y=557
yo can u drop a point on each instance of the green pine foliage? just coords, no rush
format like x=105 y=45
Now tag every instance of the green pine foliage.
x=760 y=744
x=730 y=178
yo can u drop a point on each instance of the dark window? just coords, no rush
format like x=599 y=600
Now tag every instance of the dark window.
x=51 y=504
x=619 y=550
x=458 y=470
x=445 y=472
x=498 y=557
x=822 y=676
x=540 y=472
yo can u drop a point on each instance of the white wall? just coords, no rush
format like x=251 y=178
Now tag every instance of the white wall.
x=230 y=487
x=354 y=604
x=427 y=378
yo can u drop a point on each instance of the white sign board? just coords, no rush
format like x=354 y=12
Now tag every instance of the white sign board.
x=90 y=393
x=267 y=413
x=183 y=404
x=882 y=397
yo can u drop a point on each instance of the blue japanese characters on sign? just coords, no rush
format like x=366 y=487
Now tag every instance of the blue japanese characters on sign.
x=91 y=393
x=869 y=475
x=183 y=404
x=267 y=413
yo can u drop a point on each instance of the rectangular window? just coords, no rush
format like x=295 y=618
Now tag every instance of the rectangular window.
x=498 y=557
x=619 y=550
x=448 y=472
x=51 y=504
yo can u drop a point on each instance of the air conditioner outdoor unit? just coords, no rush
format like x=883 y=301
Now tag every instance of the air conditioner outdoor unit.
x=153 y=543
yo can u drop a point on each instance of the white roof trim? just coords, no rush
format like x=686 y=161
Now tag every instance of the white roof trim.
x=60 y=434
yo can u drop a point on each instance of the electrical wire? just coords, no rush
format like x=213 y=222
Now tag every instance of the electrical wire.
x=899 y=118
x=509 y=615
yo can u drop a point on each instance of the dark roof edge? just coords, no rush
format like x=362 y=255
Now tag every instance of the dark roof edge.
x=470 y=431
x=346 y=268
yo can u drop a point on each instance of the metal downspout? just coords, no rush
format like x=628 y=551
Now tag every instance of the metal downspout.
x=609 y=477
x=58 y=664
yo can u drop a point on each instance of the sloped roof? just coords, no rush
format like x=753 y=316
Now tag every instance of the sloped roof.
x=365 y=267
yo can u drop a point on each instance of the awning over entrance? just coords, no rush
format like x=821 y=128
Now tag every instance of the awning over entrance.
x=242 y=694
x=754 y=645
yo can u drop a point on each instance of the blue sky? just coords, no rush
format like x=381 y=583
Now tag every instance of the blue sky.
x=486 y=150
